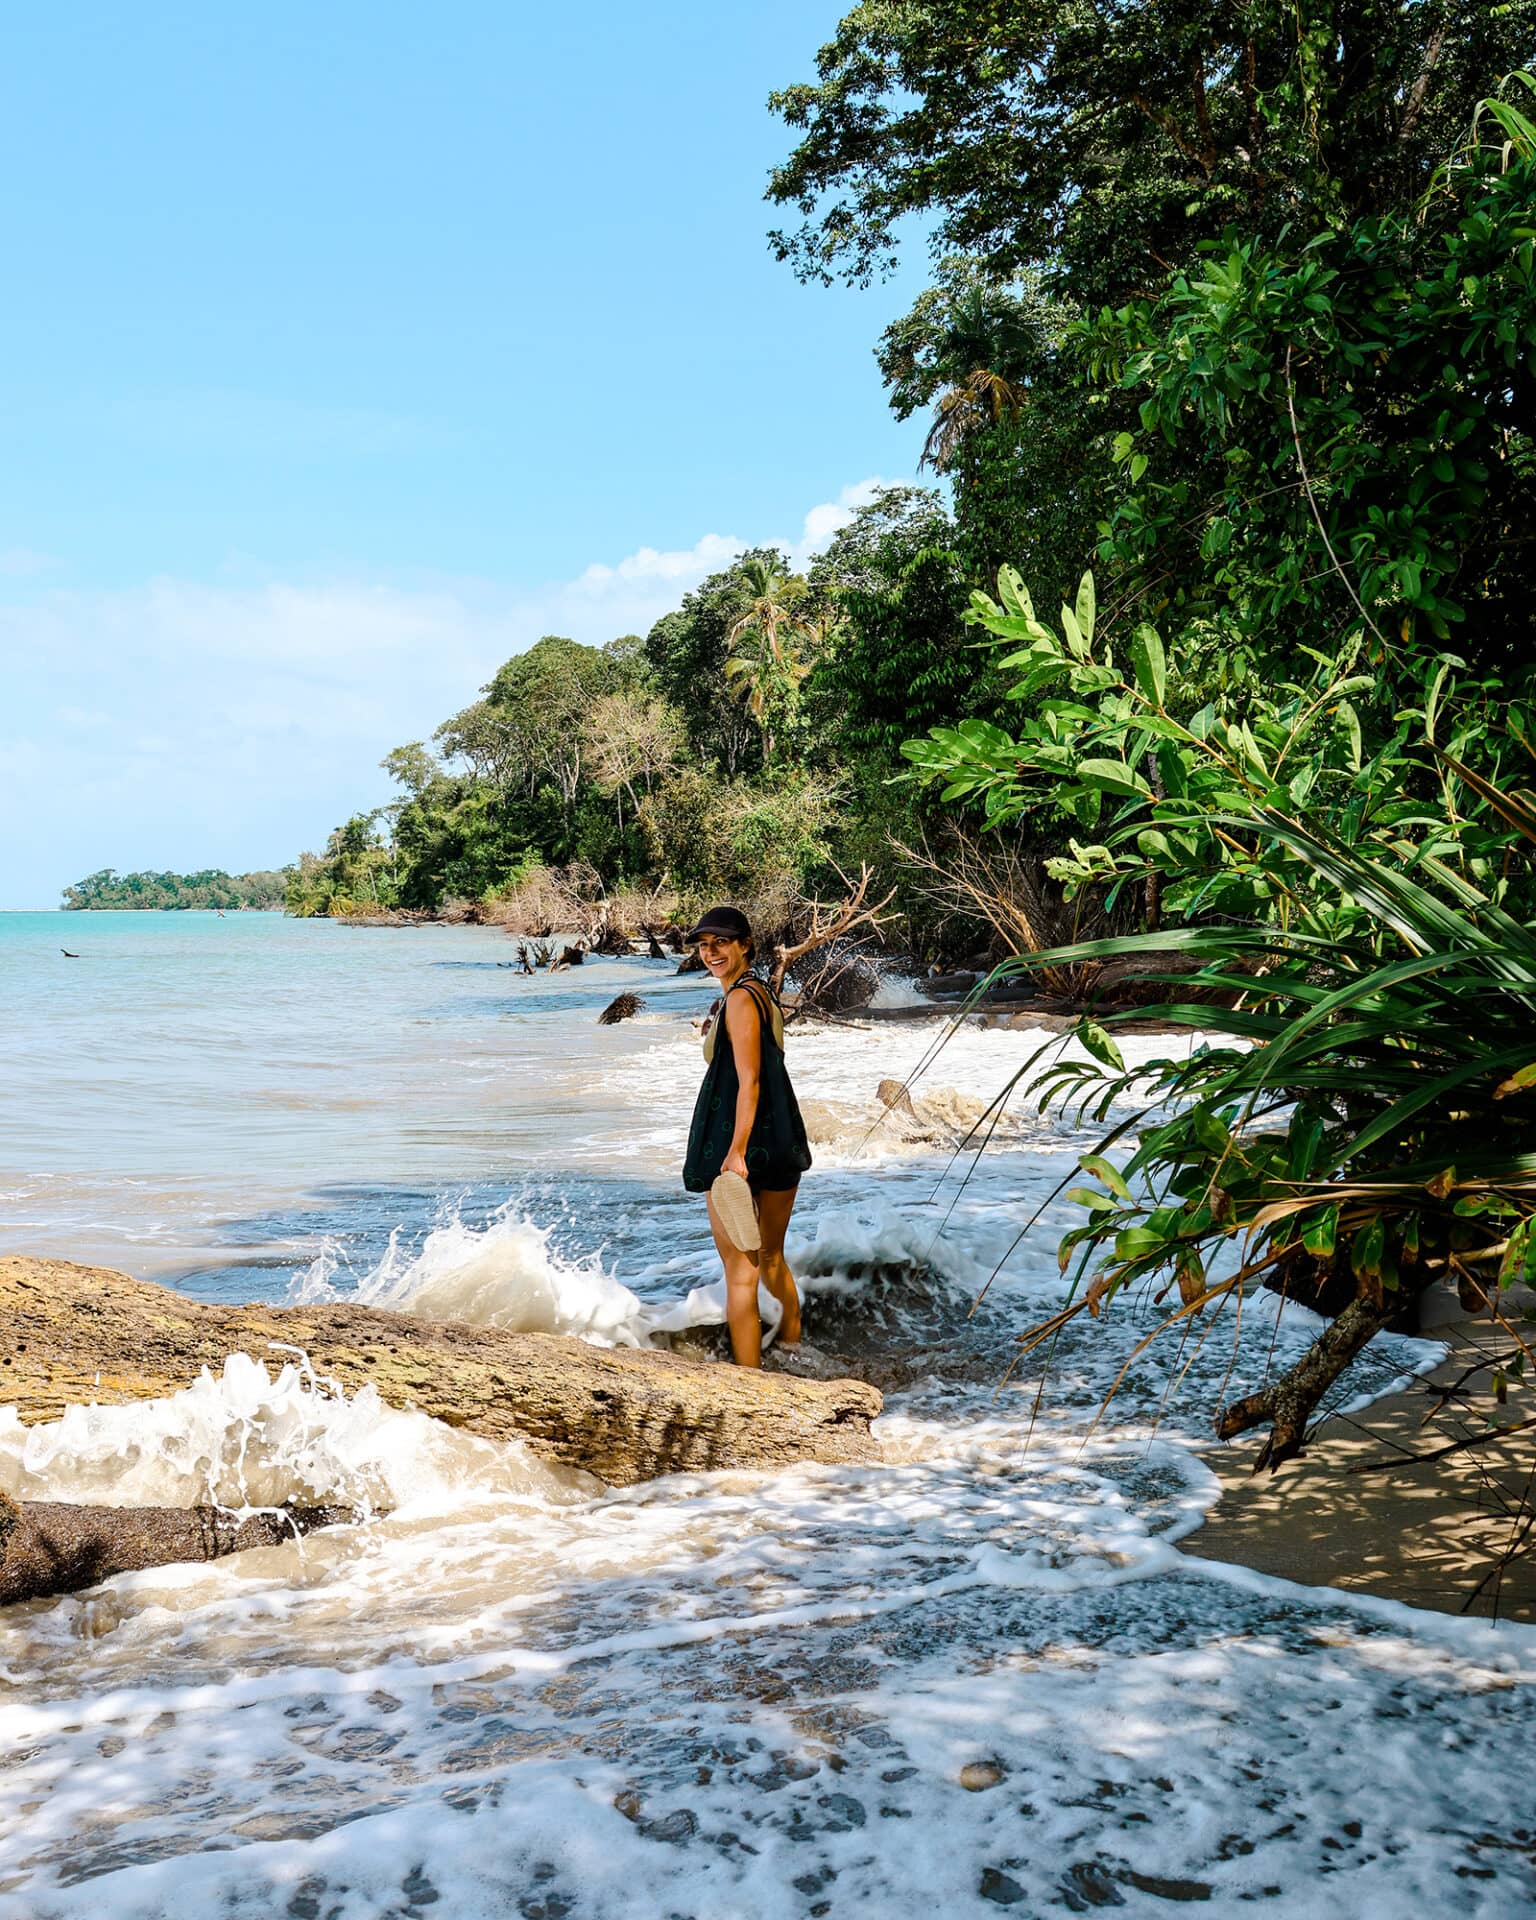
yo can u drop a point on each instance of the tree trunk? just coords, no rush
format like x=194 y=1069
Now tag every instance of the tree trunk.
x=47 y=1548
x=1289 y=1402
x=84 y=1334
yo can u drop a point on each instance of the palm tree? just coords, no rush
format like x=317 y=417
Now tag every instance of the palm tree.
x=765 y=663
x=986 y=331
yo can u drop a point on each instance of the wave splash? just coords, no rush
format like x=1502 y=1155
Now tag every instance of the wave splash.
x=248 y=1439
x=504 y=1275
x=508 y=1274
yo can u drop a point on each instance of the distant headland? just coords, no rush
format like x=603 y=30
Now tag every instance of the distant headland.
x=120 y=892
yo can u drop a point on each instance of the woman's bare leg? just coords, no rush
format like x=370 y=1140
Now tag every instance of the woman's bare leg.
x=741 y=1314
x=773 y=1211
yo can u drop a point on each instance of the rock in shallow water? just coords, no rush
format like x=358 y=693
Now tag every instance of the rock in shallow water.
x=86 y=1334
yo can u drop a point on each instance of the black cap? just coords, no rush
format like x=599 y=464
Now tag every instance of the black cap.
x=730 y=922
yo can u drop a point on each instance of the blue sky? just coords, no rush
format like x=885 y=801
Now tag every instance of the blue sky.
x=348 y=349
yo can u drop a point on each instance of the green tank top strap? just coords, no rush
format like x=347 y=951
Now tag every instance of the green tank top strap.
x=764 y=999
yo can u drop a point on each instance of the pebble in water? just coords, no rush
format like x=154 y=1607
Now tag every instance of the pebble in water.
x=977 y=1775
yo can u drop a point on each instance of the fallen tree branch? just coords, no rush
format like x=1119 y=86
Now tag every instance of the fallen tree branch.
x=48 y=1548
x=830 y=922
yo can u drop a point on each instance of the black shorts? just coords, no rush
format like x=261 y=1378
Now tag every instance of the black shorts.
x=760 y=1183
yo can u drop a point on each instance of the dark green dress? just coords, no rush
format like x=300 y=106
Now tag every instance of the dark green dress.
x=777 y=1150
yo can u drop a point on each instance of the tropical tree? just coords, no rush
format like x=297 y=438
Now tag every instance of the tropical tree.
x=413 y=766
x=631 y=738
x=686 y=652
x=1109 y=140
x=769 y=639
x=1337 y=431
x=542 y=697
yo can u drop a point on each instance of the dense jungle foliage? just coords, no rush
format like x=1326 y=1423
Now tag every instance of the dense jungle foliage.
x=110 y=890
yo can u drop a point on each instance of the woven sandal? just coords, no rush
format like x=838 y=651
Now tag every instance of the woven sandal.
x=737 y=1212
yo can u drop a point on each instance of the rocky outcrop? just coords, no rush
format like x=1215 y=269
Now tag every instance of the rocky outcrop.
x=73 y=1335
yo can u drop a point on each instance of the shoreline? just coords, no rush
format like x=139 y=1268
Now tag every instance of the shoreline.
x=1424 y=1533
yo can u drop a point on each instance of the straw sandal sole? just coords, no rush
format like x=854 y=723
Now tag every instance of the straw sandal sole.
x=737 y=1212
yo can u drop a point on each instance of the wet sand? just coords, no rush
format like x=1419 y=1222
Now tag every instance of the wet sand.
x=1429 y=1533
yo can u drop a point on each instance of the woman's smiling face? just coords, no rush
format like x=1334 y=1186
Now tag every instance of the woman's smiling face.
x=723 y=956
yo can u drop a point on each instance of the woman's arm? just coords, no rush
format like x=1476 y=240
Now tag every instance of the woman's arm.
x=744 y=1026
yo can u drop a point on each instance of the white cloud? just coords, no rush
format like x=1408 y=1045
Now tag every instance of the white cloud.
x=705 y=556
x=180 y=724
x=828 y=519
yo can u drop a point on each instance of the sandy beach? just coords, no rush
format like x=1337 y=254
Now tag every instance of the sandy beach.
x=1430 y=1532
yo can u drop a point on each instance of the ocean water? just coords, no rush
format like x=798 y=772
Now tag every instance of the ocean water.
x=979 y=1675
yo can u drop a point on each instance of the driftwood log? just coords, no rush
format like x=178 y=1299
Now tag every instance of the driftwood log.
x=48 y=1547
x=72 y=1335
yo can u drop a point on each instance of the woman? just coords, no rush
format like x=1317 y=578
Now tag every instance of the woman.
x=746 y=1121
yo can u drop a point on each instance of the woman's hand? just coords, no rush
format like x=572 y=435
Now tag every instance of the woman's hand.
x=735 y=1162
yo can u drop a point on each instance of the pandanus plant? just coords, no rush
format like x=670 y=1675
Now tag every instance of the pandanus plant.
x=1359 y=1118
x=1358 y=1121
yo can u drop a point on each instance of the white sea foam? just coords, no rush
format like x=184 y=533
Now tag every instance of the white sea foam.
x=732 y=1694
x=249 y=1438
x=748 y=1695
x=501 y=1275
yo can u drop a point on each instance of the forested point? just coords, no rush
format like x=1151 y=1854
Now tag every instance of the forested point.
x=109 y=891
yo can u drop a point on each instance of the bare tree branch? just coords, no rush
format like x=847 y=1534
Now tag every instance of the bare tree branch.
x=829 y=922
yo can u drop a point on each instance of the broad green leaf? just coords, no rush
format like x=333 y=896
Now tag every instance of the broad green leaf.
x=1114 y=776
x=1173 y=769
x=1349 y=720
x=1086 y=606
x=1306 y=1139
x=1077 y=642
x=1517 y=1256
x=1366 y=1246
x=1097 y=1041
x=1150 y=664
x=1107 y=1171
x=1321 y=1235
x=1014 y=593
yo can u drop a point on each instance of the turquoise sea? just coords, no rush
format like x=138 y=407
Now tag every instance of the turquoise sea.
x=979 y=1674
x=219 y=1093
